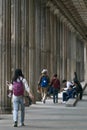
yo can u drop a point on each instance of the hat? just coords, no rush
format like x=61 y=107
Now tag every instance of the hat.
x=44 y=70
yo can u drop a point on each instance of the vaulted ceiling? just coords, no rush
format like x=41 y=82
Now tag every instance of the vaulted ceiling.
x=76 y=12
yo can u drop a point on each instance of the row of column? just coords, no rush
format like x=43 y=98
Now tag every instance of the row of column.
x=5 y=53
x=35 y=35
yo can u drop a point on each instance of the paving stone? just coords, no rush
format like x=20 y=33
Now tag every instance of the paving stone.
x=50 y=116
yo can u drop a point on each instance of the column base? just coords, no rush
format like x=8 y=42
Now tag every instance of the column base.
x=6 y=110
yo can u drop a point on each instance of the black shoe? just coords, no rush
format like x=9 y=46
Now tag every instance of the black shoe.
x=15 y=124
x=23 y=124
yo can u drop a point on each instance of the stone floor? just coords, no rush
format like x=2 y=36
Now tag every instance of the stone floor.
x=50 y=116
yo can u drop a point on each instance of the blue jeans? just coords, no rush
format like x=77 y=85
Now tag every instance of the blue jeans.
x=65 y=95
x=16 y=102
x=69 y=94
x=55 y=95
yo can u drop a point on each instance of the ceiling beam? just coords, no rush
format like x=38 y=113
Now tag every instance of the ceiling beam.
x=60 y=5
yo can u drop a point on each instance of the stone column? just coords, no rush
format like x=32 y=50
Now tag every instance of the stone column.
x=5 y=54
x=85 y=62
x=43 y=35
x=37 y=44
x=73 y=55
x=17 y=33
x=25 y=37
x=1 y=53
x=81 y=51
x=58 y=47
x=61 y=54
x=38 y=39
x=32 y=58
x=79 y=56
x=68 y=55
x=55 y=45
x=47 y=42
x=65 y=50
x=51 y=42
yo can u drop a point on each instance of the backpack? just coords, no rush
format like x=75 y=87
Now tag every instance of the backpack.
x=44 y=81
x=18 y=88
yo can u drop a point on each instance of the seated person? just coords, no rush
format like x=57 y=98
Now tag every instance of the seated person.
x=78 y=88
x=68 y=90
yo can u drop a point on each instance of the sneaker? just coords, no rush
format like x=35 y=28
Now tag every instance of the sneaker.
x=15 y=124
x=22 y=124
x=44 y=101
x=63 y=101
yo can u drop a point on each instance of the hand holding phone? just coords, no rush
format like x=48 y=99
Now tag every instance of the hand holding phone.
x=7 y=83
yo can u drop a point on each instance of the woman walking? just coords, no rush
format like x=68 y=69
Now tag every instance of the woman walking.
x=17 y=86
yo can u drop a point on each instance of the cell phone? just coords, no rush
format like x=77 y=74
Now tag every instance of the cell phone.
x=7 y=82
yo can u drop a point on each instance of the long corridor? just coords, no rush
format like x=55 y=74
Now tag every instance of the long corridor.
x=51 y=116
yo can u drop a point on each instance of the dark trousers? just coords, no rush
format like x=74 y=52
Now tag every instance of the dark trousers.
x=55 y=95
x=81 y=94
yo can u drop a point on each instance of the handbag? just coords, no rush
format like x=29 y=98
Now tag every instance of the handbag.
x=27 y=101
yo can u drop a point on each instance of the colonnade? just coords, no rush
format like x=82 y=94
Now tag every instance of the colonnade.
x=34 y=35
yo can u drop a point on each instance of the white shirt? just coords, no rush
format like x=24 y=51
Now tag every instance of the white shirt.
x=68 y=84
